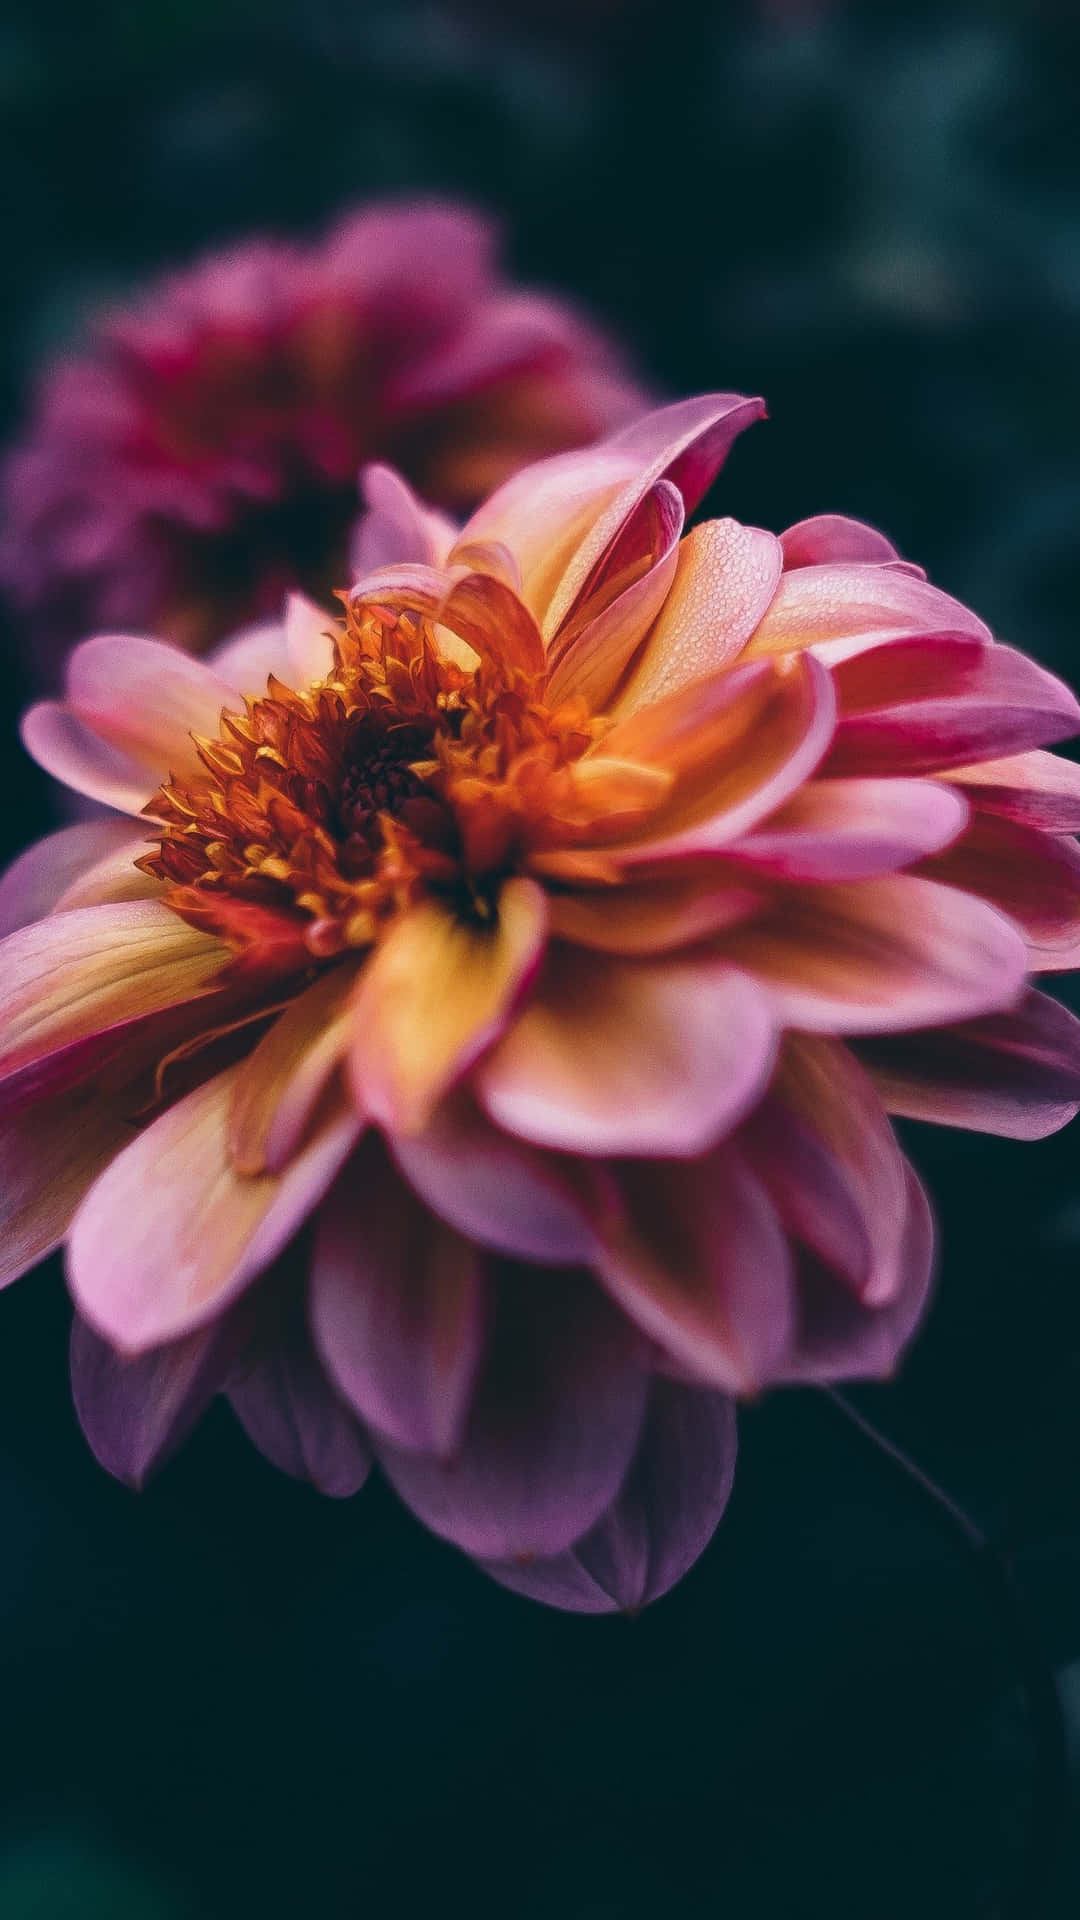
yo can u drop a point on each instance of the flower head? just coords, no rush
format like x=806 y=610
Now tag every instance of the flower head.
x=480 y=1051
x=200 y=456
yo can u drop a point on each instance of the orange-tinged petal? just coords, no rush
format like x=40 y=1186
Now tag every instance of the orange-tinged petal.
x=652 y=916
x=112 y=878
x=279 y=1085
x=725 y=579
x=434 y=995
x=631 y=1057
x=476 y=607
x=591 y=654
x=79 y=974
x=170 y=1233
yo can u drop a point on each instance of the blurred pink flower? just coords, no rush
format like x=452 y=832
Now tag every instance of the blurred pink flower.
x=480 y=1054
x=200 y=456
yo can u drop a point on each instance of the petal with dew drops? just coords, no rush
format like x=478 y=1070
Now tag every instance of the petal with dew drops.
x=631 y=1057
x=922 y=706
x=1015 y=1073
x=843 y=609
x=737 y=744
x=661 y=1520
x=36 y=882
x=699 y=1260
x=96 y=969
x=135 y=1410
x=399 y=1307
x=434 y=996
x=50 y=1156
x=170 y=1234
x=832 y=537
x=653 y=916
x=838 y=1337
x=1031 y=876
x=725 y=579
x=852 y=829
x=1038 y=789
x=881 y=956
x=591 y=654
x=291 y=1412
x=823 y=1148
x=553 y=1426
x=281 y=1082
x=501 y=1192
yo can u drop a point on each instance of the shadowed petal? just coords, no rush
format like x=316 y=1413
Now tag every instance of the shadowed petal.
x=279 y=1085
x=591 y=653
x=478 y=608
x=852 y=829
x=699 y=1260
x=289 y=1410
x=136 y=1410
x=881 y=956
x=920 y=706
x=662 y=1520
x=725 y=579
x=553 y=1427
x=50 y=1156
x=625 y=1057
x=1015 y=1073
x=399 y=1307
x=35 y=883
x=170 y=1234
x=1038 y=789
x=1033 y=878
x=434 y=995
x=653 y=916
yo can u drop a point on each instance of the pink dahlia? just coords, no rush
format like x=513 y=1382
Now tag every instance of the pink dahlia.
x=477 y=1050
x=200 y=456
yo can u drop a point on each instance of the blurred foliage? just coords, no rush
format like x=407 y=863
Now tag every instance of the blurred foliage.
x=274 y=1705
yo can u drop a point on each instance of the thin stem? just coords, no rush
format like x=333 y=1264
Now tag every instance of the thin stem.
x=1050 y=1782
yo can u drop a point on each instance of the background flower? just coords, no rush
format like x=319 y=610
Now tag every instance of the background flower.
x=200 y=455
x=621 y=882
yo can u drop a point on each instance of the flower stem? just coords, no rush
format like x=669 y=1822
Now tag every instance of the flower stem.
x=1029 y=1898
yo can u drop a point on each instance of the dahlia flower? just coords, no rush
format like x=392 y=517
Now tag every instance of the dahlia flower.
x=200 y=456
x=475 y=1052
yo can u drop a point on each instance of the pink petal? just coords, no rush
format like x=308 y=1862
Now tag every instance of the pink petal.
x=625 y=1057
x=663 y=1518
x=832 y=537
x=50 y=1156
x=588 y=660
x=839 y=1338
x=170 y=1234
x=1015 y=1073
x=279 y=1085
x=1038 y=789
x=699 y=1260
x=399 y=1308
x=434 y=996
x=852 y=829
x=881 y=956
x=397 y=526
x=1029 y=875
x=289 y=1410
x=554 y=1423
x=35 y=882
x=725 y=579
x=842 y=609
x=919 y=706
x=653 y=916
x=308 y=642
x=498 y=1191
x=67 y=748
x=136 y=1411
x=247 y=659
x=146 y=700
x=93 y=972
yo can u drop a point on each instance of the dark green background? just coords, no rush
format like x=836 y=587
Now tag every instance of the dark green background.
x=229 y=1698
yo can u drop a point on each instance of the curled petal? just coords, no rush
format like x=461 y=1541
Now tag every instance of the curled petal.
x=1029 y=875
x=36 y=882
x=841 y=610
x=832 y=537
x=698 y=1258
x=136 y=1409
x=852 y=829
x=663 y=1518
x=1015 y=1073
x=170 y=1234
x=479 y=609
x=625 y=1057
x=434 y=996
x=881 y=956
x=724 y=581
x=591 y=653
x=920 y=706
x=1037 y=789
x=554 y=1423
x=399 y=1308
x=289 y=1410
